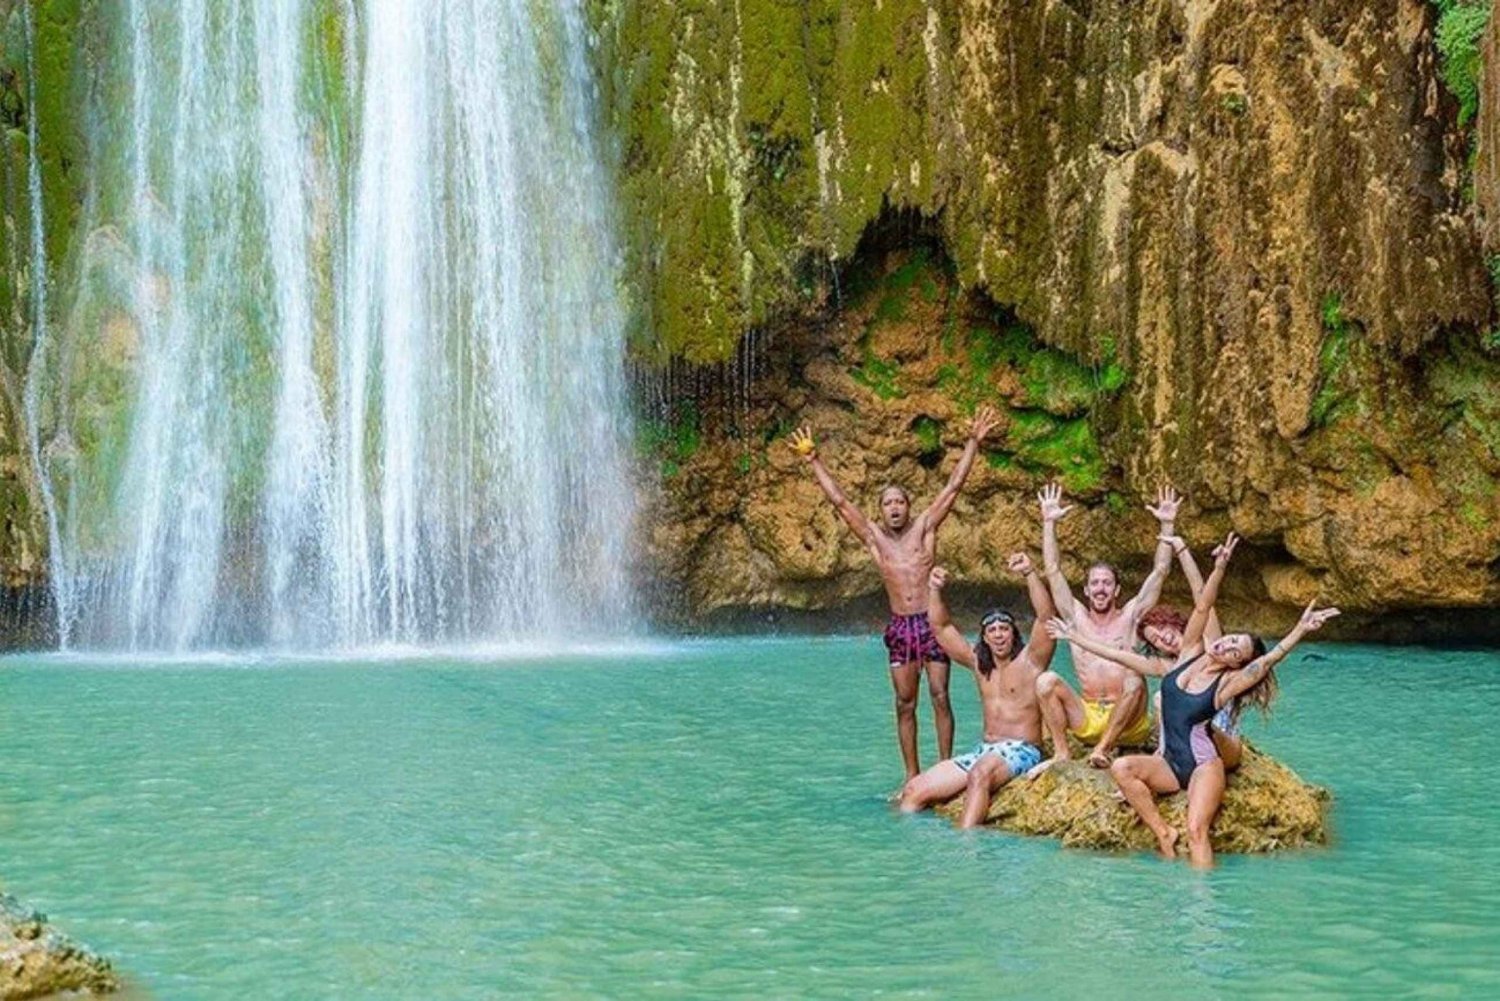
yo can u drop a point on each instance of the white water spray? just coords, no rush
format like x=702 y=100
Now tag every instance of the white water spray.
x=374 y=388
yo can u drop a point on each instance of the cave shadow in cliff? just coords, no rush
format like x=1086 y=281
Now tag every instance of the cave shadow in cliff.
x=753 y=399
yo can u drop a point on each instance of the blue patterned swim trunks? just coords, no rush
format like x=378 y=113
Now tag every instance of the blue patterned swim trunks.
x=1019 y=756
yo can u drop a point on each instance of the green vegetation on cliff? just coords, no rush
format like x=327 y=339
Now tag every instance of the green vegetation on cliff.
x=1460 y=29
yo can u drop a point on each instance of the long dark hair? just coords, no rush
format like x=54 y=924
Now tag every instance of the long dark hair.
x=1263 y=693
x=982 y=652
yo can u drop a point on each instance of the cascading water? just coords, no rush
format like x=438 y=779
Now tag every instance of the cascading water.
x=346 y=347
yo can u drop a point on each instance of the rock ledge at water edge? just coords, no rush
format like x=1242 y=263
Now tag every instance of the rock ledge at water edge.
x=1267 y=807
x=36 y=960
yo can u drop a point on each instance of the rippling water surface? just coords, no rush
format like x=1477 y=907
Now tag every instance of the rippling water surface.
x=703 y=819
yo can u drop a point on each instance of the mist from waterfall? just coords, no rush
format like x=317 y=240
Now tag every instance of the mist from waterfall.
x=345 y=355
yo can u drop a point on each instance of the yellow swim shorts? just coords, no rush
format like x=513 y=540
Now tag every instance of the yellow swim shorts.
x=1096 y=719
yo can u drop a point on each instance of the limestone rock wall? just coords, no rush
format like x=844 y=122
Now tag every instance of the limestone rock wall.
x=1258 y=213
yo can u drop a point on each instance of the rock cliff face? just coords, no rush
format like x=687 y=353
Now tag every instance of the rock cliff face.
x=1224 y=244
x=1228 y=243
x=44 y=48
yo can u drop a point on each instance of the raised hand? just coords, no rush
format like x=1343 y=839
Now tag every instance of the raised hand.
x=984 y=422
x=1058 y=629
x=938 y=579
x=1225 y=549
x=1167 y=503
x=1313 y=618
x=1019 y=564
x=802 y=443
x=1053 y=508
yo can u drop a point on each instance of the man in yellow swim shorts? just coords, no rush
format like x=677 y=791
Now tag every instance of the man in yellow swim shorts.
x=1111 y=710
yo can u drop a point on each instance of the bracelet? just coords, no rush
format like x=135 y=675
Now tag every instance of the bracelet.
x=1049 y=571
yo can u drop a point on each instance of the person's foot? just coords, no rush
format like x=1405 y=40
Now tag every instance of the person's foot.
x=1166 y=843
x=1099 y=759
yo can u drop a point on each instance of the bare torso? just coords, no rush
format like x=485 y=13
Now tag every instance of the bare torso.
x=1008 y=698
x=904 y=562
x=1102 y=680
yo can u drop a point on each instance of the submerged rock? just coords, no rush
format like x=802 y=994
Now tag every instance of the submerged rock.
x=1267 y=807
x=36 y=960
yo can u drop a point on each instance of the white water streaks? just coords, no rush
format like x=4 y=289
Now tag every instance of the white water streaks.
x=347 y=352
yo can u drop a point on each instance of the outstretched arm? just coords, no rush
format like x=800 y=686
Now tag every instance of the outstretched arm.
x=1153 y=667
x=947 y=634
x=1041 y=643
x=1203 y=605
x=1053 y=512
x=803 y=445
x=1211 y=629
x=1249 y=676
x=1165 y=509
x=984 y=422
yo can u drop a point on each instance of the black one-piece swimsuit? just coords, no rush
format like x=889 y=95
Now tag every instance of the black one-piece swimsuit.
x=1180 y=712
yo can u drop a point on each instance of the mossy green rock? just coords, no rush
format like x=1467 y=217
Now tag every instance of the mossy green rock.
x=1267 y=808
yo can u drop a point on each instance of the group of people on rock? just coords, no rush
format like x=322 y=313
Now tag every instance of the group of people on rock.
x=1208 y=677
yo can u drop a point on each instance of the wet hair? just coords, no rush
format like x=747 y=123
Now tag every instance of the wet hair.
x=1264 y=692
x=899 y=489
x=1102 y=565
x=982 y=652
x=1162 y=617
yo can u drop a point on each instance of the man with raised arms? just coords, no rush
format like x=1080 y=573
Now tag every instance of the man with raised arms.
x=1112 y=709
x=904 y=549
x=1006 y=671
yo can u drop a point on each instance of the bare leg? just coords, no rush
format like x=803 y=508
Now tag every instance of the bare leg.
x=990 y=773
x=904 y=681
x=1205 y=793
x=1231 y=749
x=1061 y=709
x=938 y=784
x=1139 y=777
x=942 y=709
x=1126 y=711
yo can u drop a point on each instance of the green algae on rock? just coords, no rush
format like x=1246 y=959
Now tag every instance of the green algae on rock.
x=1267 y=808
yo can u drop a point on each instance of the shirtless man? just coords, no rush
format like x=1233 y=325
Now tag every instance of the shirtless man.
x=1113 y=707
x=1006 y=672
x=905 y=549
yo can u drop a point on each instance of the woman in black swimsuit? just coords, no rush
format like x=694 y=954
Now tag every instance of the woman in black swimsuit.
x=1207 y=677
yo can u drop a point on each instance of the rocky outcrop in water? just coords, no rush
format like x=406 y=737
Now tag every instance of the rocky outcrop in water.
x=37 y=961
x=1267 y=808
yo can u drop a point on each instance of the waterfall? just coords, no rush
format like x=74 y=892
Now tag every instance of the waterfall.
x=347 y=344
x=38 y=263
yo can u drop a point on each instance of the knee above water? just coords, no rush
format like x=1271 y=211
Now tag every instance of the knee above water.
x=983 y=772
x=1046 y=684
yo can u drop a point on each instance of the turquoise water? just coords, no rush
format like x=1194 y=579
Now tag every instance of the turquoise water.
x=704 y=819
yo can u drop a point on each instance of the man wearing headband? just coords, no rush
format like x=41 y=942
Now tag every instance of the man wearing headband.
x=905 y=549
x=1006 y=671
x=1112 y=709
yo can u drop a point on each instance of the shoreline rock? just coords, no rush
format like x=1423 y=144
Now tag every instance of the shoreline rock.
x=38 y=961
x=1267 y=808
